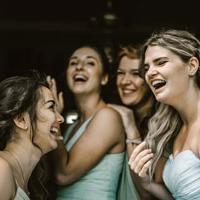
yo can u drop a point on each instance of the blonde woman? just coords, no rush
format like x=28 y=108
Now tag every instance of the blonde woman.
x=170 y=62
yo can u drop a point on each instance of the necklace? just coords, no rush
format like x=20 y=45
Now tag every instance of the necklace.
x=21 y=181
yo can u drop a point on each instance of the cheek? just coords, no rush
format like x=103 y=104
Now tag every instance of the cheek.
x=139 y=82
x=147 y=79
x=67 y=73
x=118 y=81
x=69 y=77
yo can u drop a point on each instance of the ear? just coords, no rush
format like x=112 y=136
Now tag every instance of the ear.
x=193 y=66
x=104 y=79
x=22 y=121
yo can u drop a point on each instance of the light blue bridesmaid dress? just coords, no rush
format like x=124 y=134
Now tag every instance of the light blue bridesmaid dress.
x=100 y=183
x=182 y=176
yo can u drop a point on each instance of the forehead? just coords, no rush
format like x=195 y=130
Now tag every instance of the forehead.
x=128 y=63
x=155 y=52
x=45 y=94
x=86 y=52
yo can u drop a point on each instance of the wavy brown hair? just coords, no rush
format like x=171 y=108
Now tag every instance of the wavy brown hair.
x=20 y=94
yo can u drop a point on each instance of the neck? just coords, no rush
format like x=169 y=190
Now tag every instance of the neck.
x=89 y=105
x=22 y=160
x=189 y=107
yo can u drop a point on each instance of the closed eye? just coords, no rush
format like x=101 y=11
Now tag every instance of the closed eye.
x=72 y=63
x=91 y=63
x=51 y=105
x=162 y=62
x=119 y=72
x=134 y=72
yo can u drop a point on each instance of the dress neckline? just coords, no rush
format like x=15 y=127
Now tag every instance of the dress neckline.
x=187 y=151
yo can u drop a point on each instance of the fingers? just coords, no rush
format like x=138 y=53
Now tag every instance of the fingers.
x=57 y=97
x=61 y=102
x=54 y=87
x=114 y=106
x=143 y=171
x=141 y=159
x=137 y=150
x=49 y=81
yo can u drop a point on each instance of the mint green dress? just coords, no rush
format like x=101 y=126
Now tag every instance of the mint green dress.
x=21 y=195
x=101 y=182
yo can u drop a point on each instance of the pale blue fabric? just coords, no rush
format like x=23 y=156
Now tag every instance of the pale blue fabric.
x=101 y=182
x=21 y=195
x=182 y=176
x=126 y=188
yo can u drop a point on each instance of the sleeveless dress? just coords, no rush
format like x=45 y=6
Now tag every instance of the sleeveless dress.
x=21 y=195
x=126 y=188
x=182 y=175
x=100 y=183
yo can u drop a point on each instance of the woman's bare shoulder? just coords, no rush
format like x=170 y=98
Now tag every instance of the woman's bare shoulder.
x=108 y=112
x=6 y=180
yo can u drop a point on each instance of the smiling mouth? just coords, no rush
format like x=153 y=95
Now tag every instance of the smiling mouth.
x=157 y=84
x=54 y=131
x=80 y=78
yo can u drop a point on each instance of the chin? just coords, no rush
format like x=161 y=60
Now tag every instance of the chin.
x=161 y=98
x=130 y=101
x=52 y=147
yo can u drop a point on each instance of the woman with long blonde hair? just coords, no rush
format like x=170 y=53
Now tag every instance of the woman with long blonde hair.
x=170 y=62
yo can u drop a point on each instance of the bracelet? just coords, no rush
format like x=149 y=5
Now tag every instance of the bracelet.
x=133 y=141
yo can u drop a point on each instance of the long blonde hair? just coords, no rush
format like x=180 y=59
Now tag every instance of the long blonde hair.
x=166 y=122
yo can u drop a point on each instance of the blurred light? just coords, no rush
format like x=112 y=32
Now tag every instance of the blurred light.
x=71 y=117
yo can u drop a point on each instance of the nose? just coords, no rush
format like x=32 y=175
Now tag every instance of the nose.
x=59 y=118
x=126 y=79
x=79 y=66
x=151 y=72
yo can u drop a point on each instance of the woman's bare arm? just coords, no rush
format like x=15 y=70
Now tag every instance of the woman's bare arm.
x=104 y=133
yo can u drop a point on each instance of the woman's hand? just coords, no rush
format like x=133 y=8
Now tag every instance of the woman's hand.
x=140 y=159
x=128 y=120
x=58 y=97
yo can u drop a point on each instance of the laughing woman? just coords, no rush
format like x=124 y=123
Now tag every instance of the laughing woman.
x=140 y=107
x=95 y=144
x=170 y=62
x=28 y=117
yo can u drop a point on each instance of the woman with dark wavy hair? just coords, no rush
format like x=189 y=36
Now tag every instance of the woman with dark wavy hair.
x=171 y=65
x=29 y=124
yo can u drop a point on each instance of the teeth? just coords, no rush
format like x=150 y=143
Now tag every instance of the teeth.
x=80 y=77
x=54 y=130
x=127 y=91
x=157 y=82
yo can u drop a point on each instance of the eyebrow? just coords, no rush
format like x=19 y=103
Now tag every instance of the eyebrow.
x=156 y=60
x=88 y=57
x=75 y=57
x=50 y=101
x=131 y=70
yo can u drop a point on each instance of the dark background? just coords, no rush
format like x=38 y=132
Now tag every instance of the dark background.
x=40 y=34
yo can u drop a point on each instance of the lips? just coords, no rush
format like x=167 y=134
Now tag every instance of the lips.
x=127 y=91
x=80 y=78
x=158 y=83
x=54 y=131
